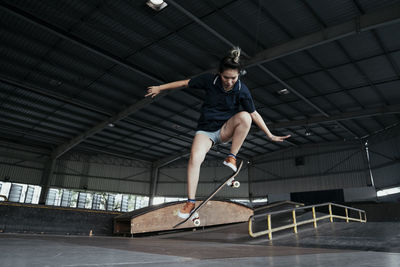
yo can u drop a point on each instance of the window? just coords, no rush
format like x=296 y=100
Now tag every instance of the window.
x=21 y=193
x=141 y=202
x=124 y=203
x=158 y=200
x=5 y=189
x=15 y=193
x=54 y=197
x=95 y=200
x=110 y=202
x=74 y=199
x=24 y=193
x=82 y=200
x=99 y=201
x=161 y=200
x=131 y=202
x=29 y=194
x=66 y=198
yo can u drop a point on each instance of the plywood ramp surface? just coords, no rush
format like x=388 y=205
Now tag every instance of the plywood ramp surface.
x=165 y=217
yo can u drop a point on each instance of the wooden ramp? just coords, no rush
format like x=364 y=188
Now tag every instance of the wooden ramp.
x=164 y=217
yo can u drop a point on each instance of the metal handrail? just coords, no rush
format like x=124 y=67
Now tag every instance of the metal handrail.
x=295 y=224
x=279 y=204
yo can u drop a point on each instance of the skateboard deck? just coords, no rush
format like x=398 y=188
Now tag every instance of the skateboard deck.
x=194 y=216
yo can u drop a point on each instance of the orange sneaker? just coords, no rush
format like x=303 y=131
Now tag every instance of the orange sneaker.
x=230 y=161
x=185 y=212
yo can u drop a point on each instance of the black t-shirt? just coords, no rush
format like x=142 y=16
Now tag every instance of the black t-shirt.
x=219 y=106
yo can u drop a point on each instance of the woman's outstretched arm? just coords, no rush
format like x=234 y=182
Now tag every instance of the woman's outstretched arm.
x=155 y=90
x=258 y=120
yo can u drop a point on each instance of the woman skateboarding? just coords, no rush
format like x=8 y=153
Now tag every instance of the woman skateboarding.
x=226 y=115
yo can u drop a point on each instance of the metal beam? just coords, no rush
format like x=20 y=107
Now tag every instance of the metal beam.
x=60 y=150
x=370 y=21
x=90 y=148
x=361 y=23
x=76 y=102
x=291 y=89
x=336 y=144
x=258 y=64
x=373 y=20
x=168 y=160
x=165 y=161
x=18 y=156
x=393 y=109
x=75 y=40
x=263 y=68
x=31 y=149
x=181 y=136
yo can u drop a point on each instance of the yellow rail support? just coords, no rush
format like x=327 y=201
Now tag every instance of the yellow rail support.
x=361 y=216
x=297 y=223
x=269 y=227
x=314 y=217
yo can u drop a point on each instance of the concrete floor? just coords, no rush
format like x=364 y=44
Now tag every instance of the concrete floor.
x=337 y=244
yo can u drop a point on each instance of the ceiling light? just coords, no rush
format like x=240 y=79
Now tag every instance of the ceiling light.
x=389 y=191
x=157 y=5
x=284 y=91
x=308 y=132
x=156 y=2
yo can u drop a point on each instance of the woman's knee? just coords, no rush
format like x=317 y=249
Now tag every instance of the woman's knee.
x=196 y=157
x=245 y=118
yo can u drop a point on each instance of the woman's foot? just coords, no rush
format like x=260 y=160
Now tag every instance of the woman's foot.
x=185 y=212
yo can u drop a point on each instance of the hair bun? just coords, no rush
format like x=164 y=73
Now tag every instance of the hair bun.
x=231 y=60
x=235 y=54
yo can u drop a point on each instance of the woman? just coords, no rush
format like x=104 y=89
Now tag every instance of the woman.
x=226 y=115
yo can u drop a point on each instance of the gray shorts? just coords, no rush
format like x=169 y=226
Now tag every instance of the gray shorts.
x=215 y=137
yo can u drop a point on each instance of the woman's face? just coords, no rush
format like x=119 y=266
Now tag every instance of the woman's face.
x=229 y=77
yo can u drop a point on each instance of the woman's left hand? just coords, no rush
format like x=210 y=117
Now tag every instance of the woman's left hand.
x=153 y=91
x=279 y=138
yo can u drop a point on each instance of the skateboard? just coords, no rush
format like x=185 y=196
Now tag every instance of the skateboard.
x=230 y=181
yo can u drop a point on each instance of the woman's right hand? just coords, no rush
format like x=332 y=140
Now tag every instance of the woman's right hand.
x=153 y=91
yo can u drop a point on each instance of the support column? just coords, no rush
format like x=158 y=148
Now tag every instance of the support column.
x=46 y=179
x=153 y=183
x=370 y=182
x=250 y=174
x=84 y=180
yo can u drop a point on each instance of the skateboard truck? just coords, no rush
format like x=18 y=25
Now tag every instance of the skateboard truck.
x=196 y=219
x=233 y=183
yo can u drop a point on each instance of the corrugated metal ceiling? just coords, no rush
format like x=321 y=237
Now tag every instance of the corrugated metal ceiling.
x=66 y=66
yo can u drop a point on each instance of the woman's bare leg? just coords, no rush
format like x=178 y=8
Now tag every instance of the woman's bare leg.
x=201 y=145
x=236 y=129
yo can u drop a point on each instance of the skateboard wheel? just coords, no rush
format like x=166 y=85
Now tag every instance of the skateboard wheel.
x=196 y=222
x=236 y=184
